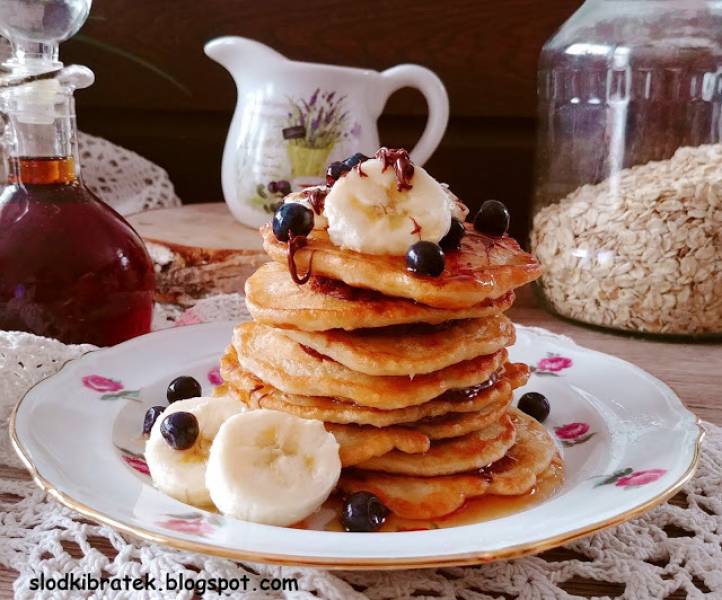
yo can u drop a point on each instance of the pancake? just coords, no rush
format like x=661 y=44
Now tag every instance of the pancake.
x=446 y=457
x=255 y=394
x=525 y=459
x=482 y=268
x=276 y=359
x=410 y=349
x=454 y=425
x=274 y=299
x=359 y=443
x=532 y=457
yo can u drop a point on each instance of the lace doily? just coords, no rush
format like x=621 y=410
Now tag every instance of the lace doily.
x=123 y=179
x=671 y=548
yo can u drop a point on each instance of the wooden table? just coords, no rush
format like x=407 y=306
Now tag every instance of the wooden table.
x=694 y=371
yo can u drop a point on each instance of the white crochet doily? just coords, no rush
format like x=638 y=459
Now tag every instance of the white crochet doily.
x=670 y=548
x=123 y=179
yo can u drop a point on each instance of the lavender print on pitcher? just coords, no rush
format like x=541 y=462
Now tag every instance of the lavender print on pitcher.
x=293 y=118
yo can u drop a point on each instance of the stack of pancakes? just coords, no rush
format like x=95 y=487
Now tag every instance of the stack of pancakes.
x=410 y=373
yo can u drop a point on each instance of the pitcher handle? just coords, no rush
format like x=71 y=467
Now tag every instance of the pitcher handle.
x=429 y=84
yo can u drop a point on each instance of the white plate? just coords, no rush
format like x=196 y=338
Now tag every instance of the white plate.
x=627 y=441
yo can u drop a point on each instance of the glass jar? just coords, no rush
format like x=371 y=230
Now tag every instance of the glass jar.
x=627 y=218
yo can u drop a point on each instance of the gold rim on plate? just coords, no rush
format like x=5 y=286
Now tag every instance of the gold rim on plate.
x=457 y=560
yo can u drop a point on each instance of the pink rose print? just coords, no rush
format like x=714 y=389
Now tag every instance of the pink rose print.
x=214 y=376
x=194 y=525
x=113 y=389
x=571 y=431
x=134 y=460
x=629 y=478
x=640 y=478
x=572 y=434
x=137 y=463
x=554 y=363
x=99 y=383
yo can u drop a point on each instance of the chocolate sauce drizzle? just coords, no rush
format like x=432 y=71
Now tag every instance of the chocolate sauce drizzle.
x=316 y=197
x=360 y=171
x=295 y=243
x=417 y=227
x=401 y=162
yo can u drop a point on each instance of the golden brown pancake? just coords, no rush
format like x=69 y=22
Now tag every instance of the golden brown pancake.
x=524 y=459
x=453 y=425
x=532 y=456
x=256 y=394
x=482 y=268
x=359 y=443
x=274 y=299
x=446 y=457
x=410 y=349
x=279 y=361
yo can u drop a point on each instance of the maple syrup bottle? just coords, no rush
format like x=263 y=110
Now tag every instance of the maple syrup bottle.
x=71 y=268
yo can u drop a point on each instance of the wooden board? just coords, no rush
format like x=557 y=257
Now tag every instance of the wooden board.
x=198 y=250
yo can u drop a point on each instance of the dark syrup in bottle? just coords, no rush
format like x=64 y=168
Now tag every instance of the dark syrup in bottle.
x=71 y=268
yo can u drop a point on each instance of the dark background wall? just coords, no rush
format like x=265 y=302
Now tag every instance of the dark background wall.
x=158 y=94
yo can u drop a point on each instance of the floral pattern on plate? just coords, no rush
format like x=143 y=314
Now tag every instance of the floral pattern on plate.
x=551 y=364
x=135 y=461
x=113 y=388
x=572 y=434
x=194 y=523
x=214 y=376
x=629 y=478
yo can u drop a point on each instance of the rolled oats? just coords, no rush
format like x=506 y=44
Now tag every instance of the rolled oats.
x=641 y=251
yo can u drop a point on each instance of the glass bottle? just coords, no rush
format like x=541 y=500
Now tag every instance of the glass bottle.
x=71 y=268
x=628 y=210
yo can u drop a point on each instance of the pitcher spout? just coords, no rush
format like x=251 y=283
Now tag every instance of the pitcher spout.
x=235 y=53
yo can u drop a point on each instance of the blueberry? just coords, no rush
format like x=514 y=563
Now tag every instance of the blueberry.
x=492 y=219
x=283 y=187
x=335 y=171
x=272 y=187
x=182 y=388
x=535 y=405
x=363 y=511
x=180 y=429
x=452 y=240
x=425 y=258
x=352 y=161
x=290 y=219
x=151 y=415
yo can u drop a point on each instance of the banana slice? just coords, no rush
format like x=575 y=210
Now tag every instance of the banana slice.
x=182 y=473
x=366 y=211
x=270 y=467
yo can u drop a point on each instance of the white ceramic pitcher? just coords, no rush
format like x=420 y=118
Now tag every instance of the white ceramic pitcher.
x=293 y=118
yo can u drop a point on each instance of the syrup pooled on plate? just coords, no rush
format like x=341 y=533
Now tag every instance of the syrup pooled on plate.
x=476 y=510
